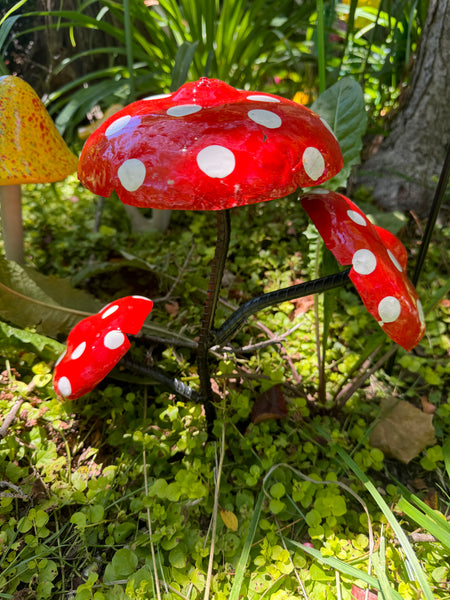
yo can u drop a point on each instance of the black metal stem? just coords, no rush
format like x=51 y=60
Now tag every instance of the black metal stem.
x=435 y=207
x=426 y=238
x=232 y=325
x=212 y=297
x=171 y=383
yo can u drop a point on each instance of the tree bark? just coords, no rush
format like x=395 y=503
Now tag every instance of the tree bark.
x=404 y=171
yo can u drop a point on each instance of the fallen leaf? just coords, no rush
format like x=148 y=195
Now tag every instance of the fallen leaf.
x=230 y=519
x=403 y=431
x=269 y=405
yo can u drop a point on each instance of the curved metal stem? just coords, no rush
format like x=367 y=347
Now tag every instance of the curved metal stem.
x=171 y=383
x=212 y=297
x=232 y=325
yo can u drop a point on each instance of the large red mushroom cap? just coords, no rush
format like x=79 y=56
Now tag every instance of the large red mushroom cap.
x=378 y=260
x=208 y=146
x=96 y=344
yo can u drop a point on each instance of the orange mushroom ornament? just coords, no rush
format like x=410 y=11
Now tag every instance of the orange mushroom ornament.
x=31 y=151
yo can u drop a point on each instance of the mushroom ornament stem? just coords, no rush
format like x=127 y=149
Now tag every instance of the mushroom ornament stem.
x=209 y=311
x=11 y=217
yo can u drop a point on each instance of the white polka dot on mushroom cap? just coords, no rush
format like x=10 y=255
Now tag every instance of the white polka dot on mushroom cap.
x=183 y=110
x=319 y=191
x=265 y=117
x=313 y=163
x=78 y=351
x=110 y=311
x=64 y=387
x=216 y=161
x=262 y=98
x=117 y=125
x=389 y=309
x=356 y=217
x=364 y=261
x=113 y=339
x=132 y=174
x=395 y=261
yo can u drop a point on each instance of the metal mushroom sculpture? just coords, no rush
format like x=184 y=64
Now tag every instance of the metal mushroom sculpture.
x=209 y=146
x=31 y=151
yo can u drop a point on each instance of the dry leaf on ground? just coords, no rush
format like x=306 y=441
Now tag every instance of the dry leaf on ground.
x=403 y=431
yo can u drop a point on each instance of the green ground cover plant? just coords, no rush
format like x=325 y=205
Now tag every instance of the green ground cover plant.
x=120 y=494
x=89 y=480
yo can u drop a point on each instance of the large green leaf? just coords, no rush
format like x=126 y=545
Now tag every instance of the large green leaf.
x=53 y=307
x=342 y=106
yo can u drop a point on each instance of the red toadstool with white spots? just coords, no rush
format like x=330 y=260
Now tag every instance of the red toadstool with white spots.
x=378 y=260
x=96 y=344
x=208 y=146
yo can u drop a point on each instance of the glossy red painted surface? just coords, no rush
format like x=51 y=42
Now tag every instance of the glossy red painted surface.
x=378 y=260
x=96 y=344
x=208 y=146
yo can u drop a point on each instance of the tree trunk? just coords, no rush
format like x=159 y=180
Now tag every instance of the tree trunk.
x=403 y=173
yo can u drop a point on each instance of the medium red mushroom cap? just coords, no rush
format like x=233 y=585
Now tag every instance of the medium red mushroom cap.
x=208 y=146
x=96 y=344
x=378 y=260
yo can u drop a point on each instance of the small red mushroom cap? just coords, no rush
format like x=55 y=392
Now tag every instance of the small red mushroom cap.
x=378 y=260
x=96 y=344
x=208 y=146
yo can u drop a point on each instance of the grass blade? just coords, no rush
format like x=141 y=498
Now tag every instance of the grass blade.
x=240 y=569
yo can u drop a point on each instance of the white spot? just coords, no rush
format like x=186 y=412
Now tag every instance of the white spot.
x=170 y=182
x=216 y=161
x=265 y=117
x=420 y=311
x=131 y=174
x=78 y=351
x=114 y=339
x=64 y=387
x=262 y=98
x=395 y=261
x=183 y=109
x=142 y=298
x=60 y=358
x=356 y=217
x=313 y=163
x=117 y=125
x=110 y=311
x=389 y=309
x=328 y=127
x=364 y=262
x=157 y=97
x=319 y=191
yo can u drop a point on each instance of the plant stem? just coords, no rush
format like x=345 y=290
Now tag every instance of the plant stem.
x=212 y=297
x=321 y=46
x=214 y=514
x=232 y=325
x=129 y=49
